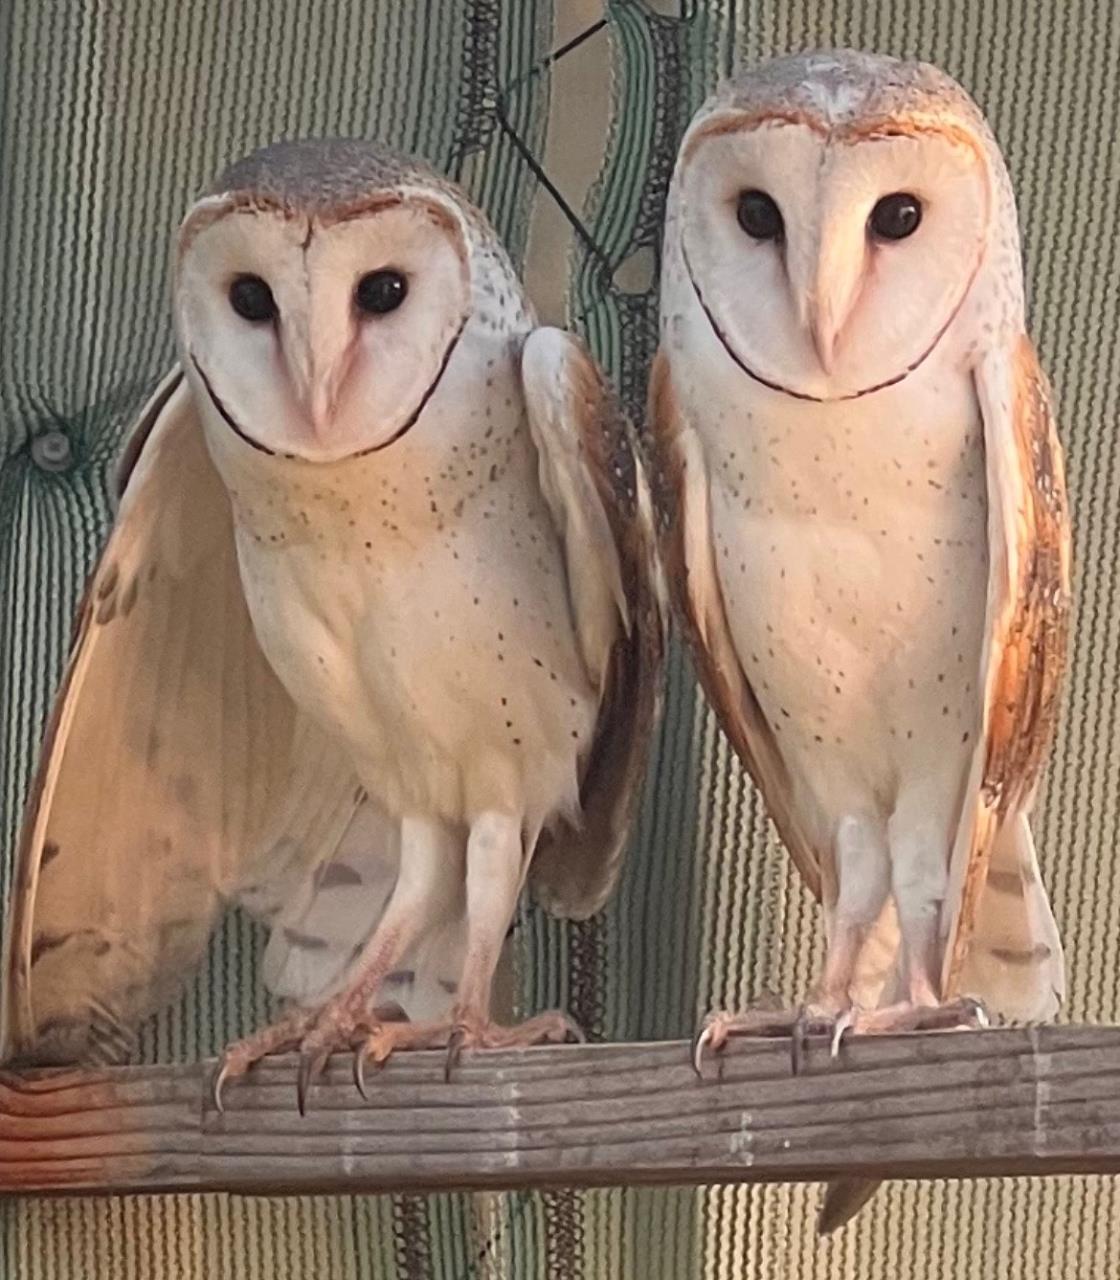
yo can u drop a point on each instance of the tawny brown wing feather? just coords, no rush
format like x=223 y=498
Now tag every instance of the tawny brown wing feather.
x=1028 y=613
x=592 y=476
x=680 y=496
x=175 y=773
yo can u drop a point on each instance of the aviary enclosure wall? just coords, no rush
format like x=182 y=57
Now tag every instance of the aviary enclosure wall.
x=113 y=113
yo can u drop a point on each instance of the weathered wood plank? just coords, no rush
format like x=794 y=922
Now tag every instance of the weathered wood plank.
x=937 y=1105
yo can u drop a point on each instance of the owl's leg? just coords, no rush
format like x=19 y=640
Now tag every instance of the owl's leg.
x=425 y=888
x=495 y=868
x=862 y=863
x=863 y=875
x=920 y=836
x=919 y=841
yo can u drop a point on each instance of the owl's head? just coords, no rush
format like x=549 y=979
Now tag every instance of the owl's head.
x=832 y=212
x=321 y=291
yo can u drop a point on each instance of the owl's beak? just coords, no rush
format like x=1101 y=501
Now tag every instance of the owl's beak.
x=320 y=377
x=822 y=329
x=826 y=283
x=321 y=410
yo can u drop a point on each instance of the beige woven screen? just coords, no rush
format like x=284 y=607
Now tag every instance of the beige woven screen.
x=112 y=114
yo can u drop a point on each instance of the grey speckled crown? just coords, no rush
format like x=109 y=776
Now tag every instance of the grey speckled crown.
x=843 y=85
x=315 y=174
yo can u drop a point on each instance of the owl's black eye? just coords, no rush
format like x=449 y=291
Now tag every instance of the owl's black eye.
x=759 y=216
x=252 y=299
x=381 y=291
x=896 y=216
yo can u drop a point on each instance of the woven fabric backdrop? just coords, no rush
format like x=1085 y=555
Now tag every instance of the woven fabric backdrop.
x=113 y=114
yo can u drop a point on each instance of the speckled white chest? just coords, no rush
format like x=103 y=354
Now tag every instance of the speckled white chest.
x=414 y=603
x=850 y=541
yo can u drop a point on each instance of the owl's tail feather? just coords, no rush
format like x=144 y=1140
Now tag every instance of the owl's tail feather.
x=877 y=982
x=1015 y=963
x=843 y=1199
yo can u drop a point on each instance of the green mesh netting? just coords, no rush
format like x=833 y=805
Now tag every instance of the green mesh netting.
x=114 y=114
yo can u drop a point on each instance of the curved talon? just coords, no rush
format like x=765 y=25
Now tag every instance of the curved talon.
x=220 y=1077
x=699 y=1041
x=576 y=1034
x=979 y=1012
x=359 y=1070
x=840 y=1027
x=363 y=1053
x=310 y=1068
x=454 y=1051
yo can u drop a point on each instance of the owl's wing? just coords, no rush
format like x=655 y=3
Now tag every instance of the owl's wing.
x=686 y=538
x=593 y=482
x=1002 y=942
x=176 y=774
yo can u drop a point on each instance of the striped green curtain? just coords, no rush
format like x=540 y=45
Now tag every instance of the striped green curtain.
x=114 y=113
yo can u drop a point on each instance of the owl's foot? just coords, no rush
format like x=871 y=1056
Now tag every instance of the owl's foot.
x=767 y=1017
x=465 y=1032
x=316 y=1033
x=472 y=1031
x=280 y=1037
x=344 y=1024
x=965 y=1014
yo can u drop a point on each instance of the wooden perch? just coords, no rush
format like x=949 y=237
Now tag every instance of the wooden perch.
x=957 y=1104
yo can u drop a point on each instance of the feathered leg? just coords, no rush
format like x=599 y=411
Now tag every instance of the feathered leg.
x=495 y=864
x=424 y=893
x=863 y=877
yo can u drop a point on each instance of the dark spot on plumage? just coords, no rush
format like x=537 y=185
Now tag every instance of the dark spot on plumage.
x=1019 y=958
x=108 y=582
x=336 y=874
x=399 y=977
x=43 y=943
x=185 y=788
x=106 y=610
x=448 y=986
x=50 y=852
x=305 y=941
x=128 y=599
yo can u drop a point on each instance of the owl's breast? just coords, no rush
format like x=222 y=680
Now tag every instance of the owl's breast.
x=420 y=612
x=850 y=542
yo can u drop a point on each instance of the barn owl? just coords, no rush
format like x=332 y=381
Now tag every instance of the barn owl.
x=375 y=638
x=863 y=513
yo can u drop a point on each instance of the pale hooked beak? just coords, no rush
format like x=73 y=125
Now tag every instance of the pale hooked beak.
x=319 y=366
x=826 y=282
x=822 y=329
x=325 y=387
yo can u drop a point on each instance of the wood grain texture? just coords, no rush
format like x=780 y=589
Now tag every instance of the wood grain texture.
x=965 y=1104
